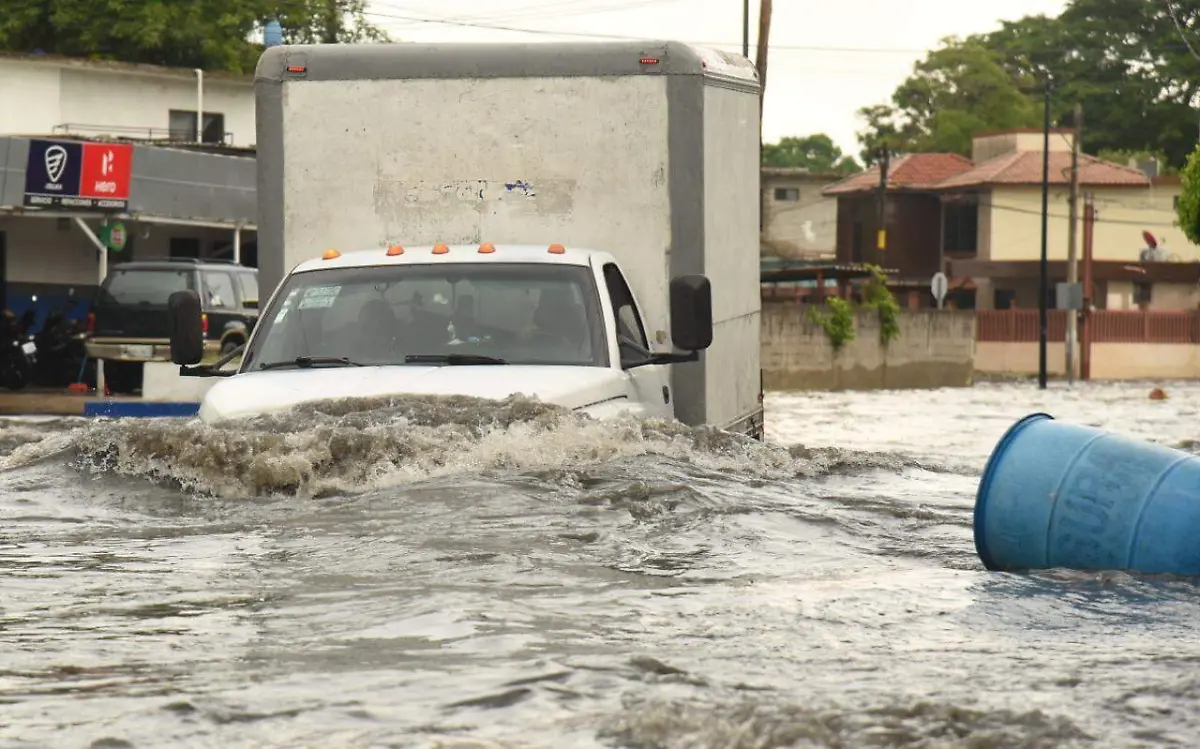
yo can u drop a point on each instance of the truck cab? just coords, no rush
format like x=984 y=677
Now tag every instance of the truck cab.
x=490 y=320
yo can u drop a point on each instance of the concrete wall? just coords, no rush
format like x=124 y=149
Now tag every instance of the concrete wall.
x=934 y=349
x=1110 y=361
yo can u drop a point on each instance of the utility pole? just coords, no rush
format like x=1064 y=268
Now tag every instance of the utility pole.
x=881 y=234
x=1043 y=282
x=1085 y=353
x=1072 y=258
x=764 y=36
x=746 y=29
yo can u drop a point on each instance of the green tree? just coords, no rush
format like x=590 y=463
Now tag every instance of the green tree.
x=1125 y=61
x=209 y=34
x=957 y=90
x=816 y=153
x=1188 y=208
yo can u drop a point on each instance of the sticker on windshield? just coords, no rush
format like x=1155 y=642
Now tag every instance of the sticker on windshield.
x=287 y=305
x=319 y=297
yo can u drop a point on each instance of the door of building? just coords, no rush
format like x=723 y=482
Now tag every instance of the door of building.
x=3 y=271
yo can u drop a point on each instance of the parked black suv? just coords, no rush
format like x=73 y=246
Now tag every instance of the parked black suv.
x=129 y=323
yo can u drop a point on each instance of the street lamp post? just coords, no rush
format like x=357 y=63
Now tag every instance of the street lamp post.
x=1043 y=281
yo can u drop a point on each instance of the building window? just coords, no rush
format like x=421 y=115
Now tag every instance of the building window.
x=183 y=126
x=1141 y=293
x=787 y=194
x=184 y=247
x=961 y=229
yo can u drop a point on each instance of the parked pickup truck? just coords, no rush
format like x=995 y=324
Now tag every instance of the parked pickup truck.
x=129 y=323
x=637 y=161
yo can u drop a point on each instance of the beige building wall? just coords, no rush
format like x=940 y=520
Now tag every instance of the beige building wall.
x=1122 y=214
x=1163 y=296
x=1110 y=361
x=797 y=220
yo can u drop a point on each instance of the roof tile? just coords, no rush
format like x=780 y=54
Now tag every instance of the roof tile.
x=914 y=171
x=1025 y=168
x=942 y=171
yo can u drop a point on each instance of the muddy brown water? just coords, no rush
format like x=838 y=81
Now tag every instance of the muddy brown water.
x=454 y=574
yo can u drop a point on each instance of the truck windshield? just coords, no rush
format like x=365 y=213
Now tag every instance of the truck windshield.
x=456 y=313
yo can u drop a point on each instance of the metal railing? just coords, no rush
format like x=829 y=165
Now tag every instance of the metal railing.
x=172 y=135
x=1106 y=326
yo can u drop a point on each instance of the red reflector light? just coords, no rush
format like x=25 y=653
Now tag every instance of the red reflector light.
x=91 y=322
x=649 y=61
x=204 y=324
x=297 y=68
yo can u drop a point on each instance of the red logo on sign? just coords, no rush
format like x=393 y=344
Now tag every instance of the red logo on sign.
x=105 y=171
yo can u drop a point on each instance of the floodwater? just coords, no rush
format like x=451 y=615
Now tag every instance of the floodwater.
x=441 y=574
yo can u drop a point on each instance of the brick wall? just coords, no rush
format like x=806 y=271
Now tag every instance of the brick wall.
x=935 y=349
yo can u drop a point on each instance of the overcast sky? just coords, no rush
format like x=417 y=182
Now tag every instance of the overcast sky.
x=828 y=58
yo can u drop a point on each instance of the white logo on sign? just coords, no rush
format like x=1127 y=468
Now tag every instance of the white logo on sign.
x=56 y=163
x=106 y=163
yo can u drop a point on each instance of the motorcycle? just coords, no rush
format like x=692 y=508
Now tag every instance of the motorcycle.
x=61 y=351
x=18 y=352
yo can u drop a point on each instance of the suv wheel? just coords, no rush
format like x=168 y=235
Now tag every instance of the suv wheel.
x=228 y=346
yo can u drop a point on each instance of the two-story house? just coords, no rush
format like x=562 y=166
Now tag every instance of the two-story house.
x=979 y=221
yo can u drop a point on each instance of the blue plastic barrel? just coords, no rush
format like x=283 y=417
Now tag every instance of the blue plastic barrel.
x=1063 y=495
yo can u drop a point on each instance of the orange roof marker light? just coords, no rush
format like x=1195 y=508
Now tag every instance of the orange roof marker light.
x=395 y=250
x=440 y=249
x=557 y=249
x=487 y=248
x=331 y=255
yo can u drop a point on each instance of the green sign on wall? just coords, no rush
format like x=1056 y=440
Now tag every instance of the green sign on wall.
x=114 y=236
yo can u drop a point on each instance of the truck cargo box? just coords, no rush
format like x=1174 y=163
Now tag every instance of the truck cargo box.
x=646 y=150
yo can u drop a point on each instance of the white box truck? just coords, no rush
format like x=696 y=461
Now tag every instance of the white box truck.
x=643 y=155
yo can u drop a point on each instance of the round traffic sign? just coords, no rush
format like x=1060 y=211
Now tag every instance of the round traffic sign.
x=938 y=286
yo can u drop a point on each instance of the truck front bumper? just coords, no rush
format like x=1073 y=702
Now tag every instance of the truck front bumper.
x=139 y=350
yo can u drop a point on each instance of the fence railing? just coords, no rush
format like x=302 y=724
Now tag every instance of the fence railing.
x=176 y=135
x=1106 y=326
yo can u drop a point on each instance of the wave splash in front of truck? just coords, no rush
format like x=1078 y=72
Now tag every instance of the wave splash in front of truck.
x=355 y=445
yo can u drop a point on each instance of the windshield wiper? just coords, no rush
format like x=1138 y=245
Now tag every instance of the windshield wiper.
x=304 y=362
x=452 y=359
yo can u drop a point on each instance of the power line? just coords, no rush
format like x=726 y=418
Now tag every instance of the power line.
x=620 y=37
x=556 y=9
x=1098 y=219
x=593 y=35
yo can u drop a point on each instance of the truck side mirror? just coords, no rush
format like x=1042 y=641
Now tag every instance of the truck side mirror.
x=691 y=313
x=187 y=328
